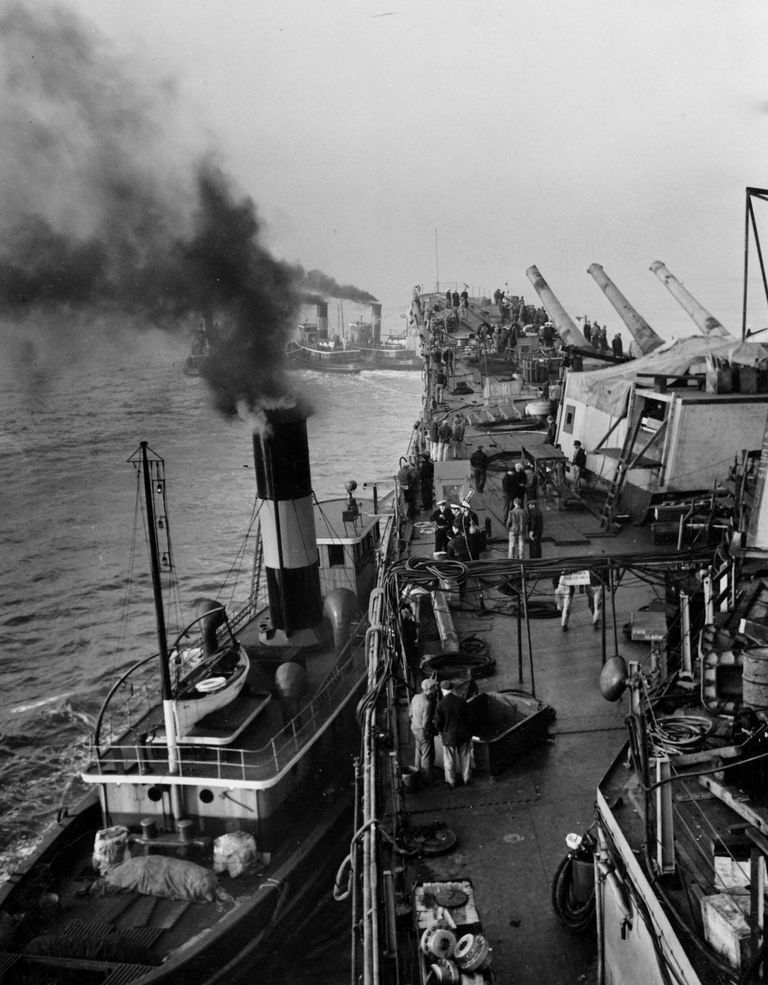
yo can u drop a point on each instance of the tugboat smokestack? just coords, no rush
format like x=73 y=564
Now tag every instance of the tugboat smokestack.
x=322 y=318
x=376 y=321
x=291 y=560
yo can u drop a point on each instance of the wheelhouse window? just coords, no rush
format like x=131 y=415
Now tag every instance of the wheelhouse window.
x=336 y=555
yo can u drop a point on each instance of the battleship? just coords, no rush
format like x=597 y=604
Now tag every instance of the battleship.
x=611 y=827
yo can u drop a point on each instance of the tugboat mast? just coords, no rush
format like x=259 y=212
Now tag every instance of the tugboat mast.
x=154 y=562
x=169 y=718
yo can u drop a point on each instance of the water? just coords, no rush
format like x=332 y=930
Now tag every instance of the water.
x=71 y=615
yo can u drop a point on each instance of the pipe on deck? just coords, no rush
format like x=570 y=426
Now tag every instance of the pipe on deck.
x=707 y=323
x=646 y=338
x=567 y=329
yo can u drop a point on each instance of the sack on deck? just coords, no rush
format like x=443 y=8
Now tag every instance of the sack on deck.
x=160 y=875
x=234 y=853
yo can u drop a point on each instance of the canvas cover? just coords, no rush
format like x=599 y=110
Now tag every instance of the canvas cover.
x=608 y=389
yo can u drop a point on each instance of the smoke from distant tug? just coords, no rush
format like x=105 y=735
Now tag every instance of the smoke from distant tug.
x=99 y=218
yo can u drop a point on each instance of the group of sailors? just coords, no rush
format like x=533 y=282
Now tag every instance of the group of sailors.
x=597 y=337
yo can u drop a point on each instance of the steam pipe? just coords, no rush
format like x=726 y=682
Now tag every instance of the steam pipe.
x=708 y=324
x=567 y=329
x=646 y=338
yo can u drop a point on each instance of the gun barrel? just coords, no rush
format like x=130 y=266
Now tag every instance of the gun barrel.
x=646 y=338
x=566 y=327
x=706 y=322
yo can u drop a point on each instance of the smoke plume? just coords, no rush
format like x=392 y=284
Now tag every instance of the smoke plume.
x=102 y=216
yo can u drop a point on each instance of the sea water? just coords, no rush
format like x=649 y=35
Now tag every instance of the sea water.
x=75 y=596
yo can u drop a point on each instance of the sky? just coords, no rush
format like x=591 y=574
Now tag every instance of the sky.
x=431 y=142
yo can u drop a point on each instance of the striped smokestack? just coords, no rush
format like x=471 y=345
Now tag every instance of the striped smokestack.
x=376 y=321
x=291 y=560
x=322 y=319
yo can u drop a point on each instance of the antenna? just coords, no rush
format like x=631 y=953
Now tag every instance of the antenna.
x=437 y=271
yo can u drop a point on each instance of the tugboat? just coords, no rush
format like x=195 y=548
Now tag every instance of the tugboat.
x=219 y=777
x=314 y=349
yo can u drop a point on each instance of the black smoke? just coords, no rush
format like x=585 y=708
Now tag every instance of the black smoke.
x=101 y=217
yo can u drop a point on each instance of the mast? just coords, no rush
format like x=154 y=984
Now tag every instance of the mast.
x=169 y=718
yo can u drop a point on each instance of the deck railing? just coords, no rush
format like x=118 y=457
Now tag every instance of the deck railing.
x=150 y=757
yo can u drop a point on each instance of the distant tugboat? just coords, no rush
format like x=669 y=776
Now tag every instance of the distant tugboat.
x=205 y=342
x=314 y=349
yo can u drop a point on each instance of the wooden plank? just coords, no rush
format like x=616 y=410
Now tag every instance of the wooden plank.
x=139 y=914
x=742 y=805
x=169 y=912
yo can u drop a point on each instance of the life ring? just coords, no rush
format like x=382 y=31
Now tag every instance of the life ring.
x=473 y=953
x=438 y=942
x=210 y=685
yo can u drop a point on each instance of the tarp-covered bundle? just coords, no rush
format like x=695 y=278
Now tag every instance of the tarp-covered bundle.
x=608 y=389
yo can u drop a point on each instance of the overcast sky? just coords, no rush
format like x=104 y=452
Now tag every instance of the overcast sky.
x=391 y=143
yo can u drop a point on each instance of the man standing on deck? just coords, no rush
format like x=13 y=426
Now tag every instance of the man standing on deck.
x=478 y=461
x=441 y=382
x=444 y=435
x=535 y=528
x=433 y=440
x=517 y=524
x=421 y=714
x=452 y=723
x=578 y=464
x=426 y=478
x=443 y=521
x=551 y=431
x=458 y=437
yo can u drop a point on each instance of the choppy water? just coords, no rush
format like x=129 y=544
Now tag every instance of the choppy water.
x=71 y=616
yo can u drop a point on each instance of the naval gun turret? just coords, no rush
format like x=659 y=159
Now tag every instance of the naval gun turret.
x=646 y=338
x=566 y=327
x=707 y=323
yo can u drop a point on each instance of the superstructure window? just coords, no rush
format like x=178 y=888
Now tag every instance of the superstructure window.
x=336 y=555
x=569 y=414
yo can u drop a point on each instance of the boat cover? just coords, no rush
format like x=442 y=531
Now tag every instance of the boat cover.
x=608 y=389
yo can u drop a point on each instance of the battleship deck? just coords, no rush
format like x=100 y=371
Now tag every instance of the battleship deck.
x=511 y=827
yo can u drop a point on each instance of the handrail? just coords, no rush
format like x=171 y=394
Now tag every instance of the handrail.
x=298 y=730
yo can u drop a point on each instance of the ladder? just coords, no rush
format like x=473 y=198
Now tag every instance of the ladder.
x=610 y=505
x=258 y=583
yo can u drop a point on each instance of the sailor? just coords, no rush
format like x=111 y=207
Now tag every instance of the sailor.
x=458 y=548
x=595 y=597
x=444 y=435
x=563 y=599
x=421 y=714
x=478 y=461
x=457 y=443
x=452 y=722
x=433 y=439
x=426 y=477
x=443 y=521
x=535 y=528
x=513 y=486
x=409 y=633
x=578 y=464
x=441 y=382
x=551 y=431
x=517 y=524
